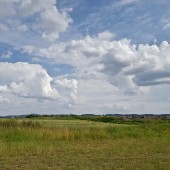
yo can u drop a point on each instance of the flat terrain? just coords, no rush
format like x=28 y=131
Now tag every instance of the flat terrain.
x=83 y=145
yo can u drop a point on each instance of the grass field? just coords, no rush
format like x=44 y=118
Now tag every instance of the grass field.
x=83 y=145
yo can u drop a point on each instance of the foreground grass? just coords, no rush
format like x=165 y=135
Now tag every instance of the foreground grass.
x=75 y=144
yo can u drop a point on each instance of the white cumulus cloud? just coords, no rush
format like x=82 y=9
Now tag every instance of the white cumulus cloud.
x=45 y=19
x=27 y=80
x=69 y=89
x=132 y=68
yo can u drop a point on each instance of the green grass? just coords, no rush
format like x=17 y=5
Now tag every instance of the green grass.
x=84 y=145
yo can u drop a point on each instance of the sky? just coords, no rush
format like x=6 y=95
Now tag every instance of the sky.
x=84 y=57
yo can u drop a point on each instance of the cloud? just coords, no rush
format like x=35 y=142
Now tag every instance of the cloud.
x=125 y=65
x=126 y=2
x=106 y=35
x=32 y=81
x=166 y=26
x=3 y=27
x=69 y=89
x=7 y=8
x=82 y=52
x=147 y=78
x=135 y=67
x=51 y=22
x=3 y=88
x=7 y=54
x=4 y=100
x=33 y=16
x=26 y=80
x=74 y=71
x=120 y=108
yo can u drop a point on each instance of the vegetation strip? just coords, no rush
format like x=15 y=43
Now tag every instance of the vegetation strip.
x=46 y=143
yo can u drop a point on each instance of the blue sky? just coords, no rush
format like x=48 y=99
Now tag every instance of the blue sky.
x=83 y=56
x=141 y=21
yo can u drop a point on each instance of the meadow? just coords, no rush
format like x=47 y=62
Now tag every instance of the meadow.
x=73 y=144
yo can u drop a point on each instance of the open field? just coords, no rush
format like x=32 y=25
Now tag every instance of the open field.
x=83 y=145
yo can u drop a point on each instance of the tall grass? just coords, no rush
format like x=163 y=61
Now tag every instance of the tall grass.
x=38 y=130
x=13 y=123
x=26 y=144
